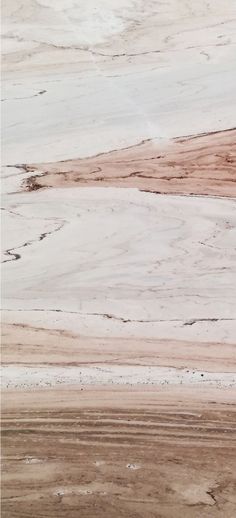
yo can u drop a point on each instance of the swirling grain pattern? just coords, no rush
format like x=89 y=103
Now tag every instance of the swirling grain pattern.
x=119 y=254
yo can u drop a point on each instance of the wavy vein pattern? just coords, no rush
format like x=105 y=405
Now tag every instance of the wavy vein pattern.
x=119 y=254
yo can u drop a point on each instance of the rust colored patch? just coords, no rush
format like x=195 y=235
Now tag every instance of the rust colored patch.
x=199 y=165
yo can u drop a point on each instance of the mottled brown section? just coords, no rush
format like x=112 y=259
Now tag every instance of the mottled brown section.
x=123 y=453
x=25 y=345
x=202 y=165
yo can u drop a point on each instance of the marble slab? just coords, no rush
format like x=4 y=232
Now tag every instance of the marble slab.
x=119 y=258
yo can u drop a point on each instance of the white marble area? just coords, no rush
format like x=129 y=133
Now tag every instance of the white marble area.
x=18 y=377
x=86 y=78
x=150 y=262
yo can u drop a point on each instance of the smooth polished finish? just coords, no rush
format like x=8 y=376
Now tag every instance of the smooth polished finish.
x=119 y=259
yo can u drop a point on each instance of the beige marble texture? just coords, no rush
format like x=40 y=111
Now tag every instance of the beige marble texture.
x=119 y=258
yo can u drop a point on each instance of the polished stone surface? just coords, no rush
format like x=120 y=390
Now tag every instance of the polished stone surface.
x=119 y=258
